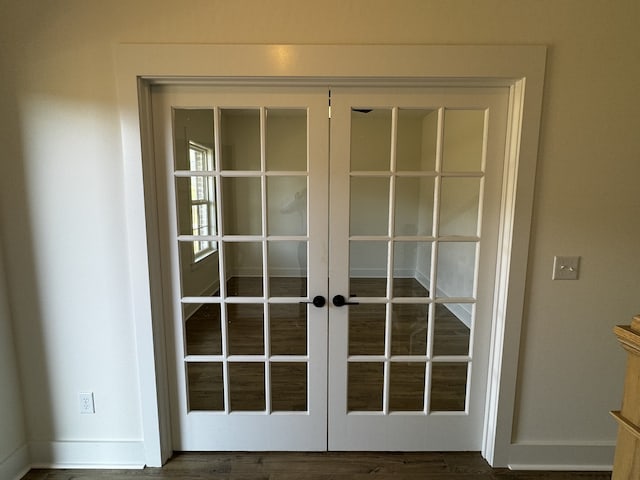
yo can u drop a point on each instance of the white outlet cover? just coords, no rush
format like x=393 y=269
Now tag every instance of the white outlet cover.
x=565 y=268
x=86 y=402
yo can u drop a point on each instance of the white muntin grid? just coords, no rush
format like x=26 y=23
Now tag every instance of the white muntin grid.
x=223 y=240
x=392 y=239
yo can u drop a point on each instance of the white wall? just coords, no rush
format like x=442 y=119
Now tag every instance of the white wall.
x=63 y=204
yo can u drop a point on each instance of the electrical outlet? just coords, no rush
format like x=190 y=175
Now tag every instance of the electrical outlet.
x=86 y=403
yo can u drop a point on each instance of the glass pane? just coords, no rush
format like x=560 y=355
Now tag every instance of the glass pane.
x=450 y=333
x=287 y=205
x=406 y=388
x=241 y=200
x=199 y=278
x=409 y=324
x=288 y=324
x=193 y=126
x=459 y=201
x=456 y=263
x=289 y=387
x=240 y=139
x=244 y=269
x=369 y=214
x=206 y=387
x=371 y=139
x=448 y=387
x=245 y=329
x=368 y=287
x=368 y=268
x=365 y=385
x=417 y=139
x=463 y=140
x=202 y=328
x=287 y=269
x=414 y=206
x=246 y=386
x=411 y=269
x=196 y=208
x=366 y=329
x=286 y=132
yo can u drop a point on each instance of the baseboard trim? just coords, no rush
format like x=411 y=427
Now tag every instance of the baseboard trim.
x=16 y=465
x=125 y=455
x=562 y=457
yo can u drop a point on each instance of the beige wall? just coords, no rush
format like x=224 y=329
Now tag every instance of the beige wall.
x=62 y=188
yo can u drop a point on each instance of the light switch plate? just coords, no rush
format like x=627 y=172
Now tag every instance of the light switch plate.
x=565 y=268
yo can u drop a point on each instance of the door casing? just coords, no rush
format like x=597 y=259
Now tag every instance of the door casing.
x=521 y=68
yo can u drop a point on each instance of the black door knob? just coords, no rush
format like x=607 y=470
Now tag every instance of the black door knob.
x=340 y=301
x=318 y=301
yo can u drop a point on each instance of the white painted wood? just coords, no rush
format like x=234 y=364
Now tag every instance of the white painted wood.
x=451 y=431
x=515 y=224
x=567 y=456
x=16 y=464
x=136 y=129
x=90 y=454
x=227 y=430
x=139 y=66
x=192 y=430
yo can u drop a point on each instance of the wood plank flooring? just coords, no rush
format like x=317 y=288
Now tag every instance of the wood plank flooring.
x=318 y=466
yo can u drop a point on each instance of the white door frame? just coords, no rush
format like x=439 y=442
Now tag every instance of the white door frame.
x=521 y=68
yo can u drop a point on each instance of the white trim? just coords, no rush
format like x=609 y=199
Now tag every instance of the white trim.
x=16 y=464
x=511 y=268
x=424 y=280
x=139 y=66
x=585 y=457
x=125 y=454
x=149 y=330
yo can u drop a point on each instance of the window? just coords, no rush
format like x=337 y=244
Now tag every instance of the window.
x=202 y=200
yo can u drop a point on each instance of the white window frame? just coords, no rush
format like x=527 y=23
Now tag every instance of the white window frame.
x=200 y=254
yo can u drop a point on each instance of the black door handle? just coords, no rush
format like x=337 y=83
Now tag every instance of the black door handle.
x=318 y=301
x=340 y=301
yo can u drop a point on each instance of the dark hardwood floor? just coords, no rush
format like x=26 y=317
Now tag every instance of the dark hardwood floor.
x=318 y=466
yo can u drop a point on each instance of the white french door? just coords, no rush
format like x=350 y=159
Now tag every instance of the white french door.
x=328 y=283
x=249 y=364
x=415 y=193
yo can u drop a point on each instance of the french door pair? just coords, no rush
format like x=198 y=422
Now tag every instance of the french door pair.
x=328 y=264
